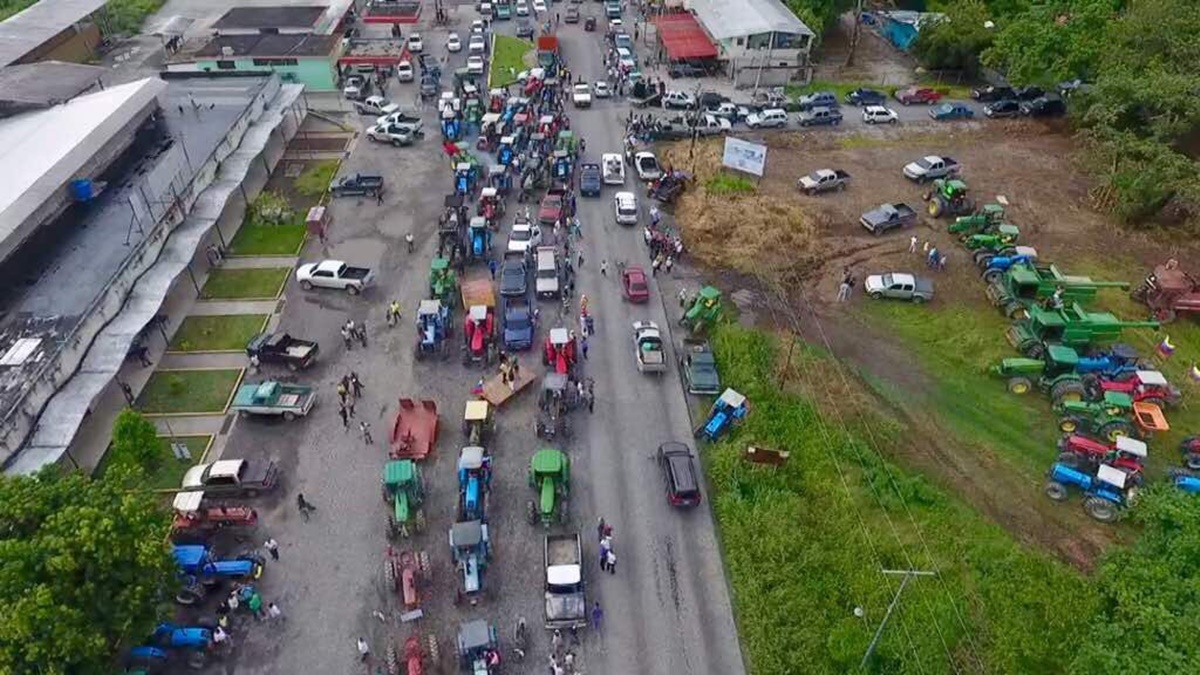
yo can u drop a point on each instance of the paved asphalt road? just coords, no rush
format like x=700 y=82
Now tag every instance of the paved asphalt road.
x=667 y=609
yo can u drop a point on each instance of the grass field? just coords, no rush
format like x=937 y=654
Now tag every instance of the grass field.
x=507 y=60
x=187 y=391
x=169 y=474
x=252 y=240
x=235 y=284
x=226 y=332
x=804 y=544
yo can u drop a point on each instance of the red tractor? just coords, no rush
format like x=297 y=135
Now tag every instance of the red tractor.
x=1190 y=449
x=1169 y=291
x=195 y=519
x=479 y=334
x=1148 y=386
x=559 y=351
x=1126 y=453
x=402 y=571
x=411 y=659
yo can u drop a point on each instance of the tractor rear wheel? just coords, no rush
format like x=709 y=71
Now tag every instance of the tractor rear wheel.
x=1101 y=509
x=1116 y=429
x=1192 y=461
x=1056 y=491
x=1019 y=385
x=983 y=258
x=1161 y=403
x=1034 y=350
x=991 y=275
x=1067 y=390
x=1013 y=309
x=936 y=207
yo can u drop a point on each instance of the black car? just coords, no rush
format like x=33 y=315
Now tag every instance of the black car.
x=679 y=473
x=589 y=180
x=514 y=280
x=1006 y=108
x=866 y=97
x=686 y=70
x=524 y=30
x=1028 y=93
x=992 y=93
x=711 y=99
x=1044 y=106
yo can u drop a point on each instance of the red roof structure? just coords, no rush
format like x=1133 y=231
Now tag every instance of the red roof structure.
x=684 y=38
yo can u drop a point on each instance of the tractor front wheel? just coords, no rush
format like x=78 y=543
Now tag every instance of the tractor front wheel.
x=1013 y=309
x=1192 y=461
x=1067 y=390
x=1056 y=491
x=1069 y=459
x=1116 y=429
x=1019 y=385
x=1069 y=425
x=991 y=275
x=1101 y=509
x=983 y=258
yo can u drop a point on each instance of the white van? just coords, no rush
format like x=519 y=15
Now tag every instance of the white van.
x=404 y=71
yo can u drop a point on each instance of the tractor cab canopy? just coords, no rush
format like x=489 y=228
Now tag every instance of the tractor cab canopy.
x=466 y=535
x=1117 y=399
x=463 y=167
x=453 y=201
x=473 y=637
x=1065 y=358
x=709 y=296
x=1152 y=378
x=188 y=502
x=954 y=187
x=478 y=223
x=477 y=313
x=487 y=193
x=559 y=336
x=476 y=411
x=1007 y=231
x=429 y=308
x=554 y=384
x=1131 y=446
x=399 y=472
x=731 y=399
x=1112 y=476
x=994 y=212
x=470 y=458
x=547 y=461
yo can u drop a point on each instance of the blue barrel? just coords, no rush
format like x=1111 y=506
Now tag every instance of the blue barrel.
x=82 y=189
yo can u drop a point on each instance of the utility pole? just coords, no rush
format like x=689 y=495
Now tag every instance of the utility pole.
x=907 y=574
x=854 y=34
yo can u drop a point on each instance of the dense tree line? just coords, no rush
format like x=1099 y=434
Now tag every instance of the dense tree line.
x=1139 y=114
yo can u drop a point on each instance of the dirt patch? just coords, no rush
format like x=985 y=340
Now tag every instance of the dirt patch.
x=875 y=60
x=797 y=246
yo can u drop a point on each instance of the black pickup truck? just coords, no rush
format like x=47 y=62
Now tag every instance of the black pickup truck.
x=356 y=185
x=283 y=349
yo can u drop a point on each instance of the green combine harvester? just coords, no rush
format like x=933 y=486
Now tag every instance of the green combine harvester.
x=1072 y=326
x=1027 y=284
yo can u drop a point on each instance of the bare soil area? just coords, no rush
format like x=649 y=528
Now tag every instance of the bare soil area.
x=797 y=246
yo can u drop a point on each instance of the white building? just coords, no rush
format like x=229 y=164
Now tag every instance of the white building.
x=762 y=42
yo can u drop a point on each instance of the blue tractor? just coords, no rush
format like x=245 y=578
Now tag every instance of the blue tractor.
x=433 y=327
x=190 y=644
x=199 y=569
x=479 y=237
x=451 y=125
x=1105 y=492
x=1185 y=480
x=1119 y=362
x=465 y=176
x=994 y=266
x=474 y=483
x=506 y=151
x=562 y=166
x=471 y=553
x=729 y=409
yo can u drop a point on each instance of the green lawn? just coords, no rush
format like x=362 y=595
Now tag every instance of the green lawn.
x=227 y=332
x=252 y=240
x=803 y=545
x=508 y=59
x=232 y=284
x=169 y=474
x=188 y=391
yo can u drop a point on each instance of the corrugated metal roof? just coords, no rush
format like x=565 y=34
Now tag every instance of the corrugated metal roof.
x=724 y=19
x=32 y=27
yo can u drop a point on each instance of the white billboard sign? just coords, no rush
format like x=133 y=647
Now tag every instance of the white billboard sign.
x=745 y=156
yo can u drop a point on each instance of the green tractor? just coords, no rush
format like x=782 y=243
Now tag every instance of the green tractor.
x=1104 y=419
x=550 y=476
x=1026 y=284
x=404 y=491
x=443 y=284
x=948 y=198
x=1001 y=241
x=705 y=309
x=1073 y=326
x=986 y=220
x=1053 y=373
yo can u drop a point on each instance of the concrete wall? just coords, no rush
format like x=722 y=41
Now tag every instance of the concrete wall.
x=317 y=74
x=59 y=370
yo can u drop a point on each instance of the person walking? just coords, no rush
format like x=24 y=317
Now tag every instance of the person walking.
x=360 y=332
x=272 y=547
x=347 y=338
x=604 y=267
x=601 y=526
x=350 y=406
x=583 y=345
x=597 y=615
x=843 y=291
x=342 y=390
x=356 y=384
x=611 y=562
x=492 y=267
x=364 y=650
x=579 y=252
x=344 y=415
x=274 y=613
x=364 y=427
x=912 y=244
x=556 y=643
x=668 y=264
x=408 y=239
x=604 y=544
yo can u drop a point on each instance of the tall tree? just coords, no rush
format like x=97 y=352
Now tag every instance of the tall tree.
x=955 y=41
x=1052 y=42
x=85 y=570
x=135 y=439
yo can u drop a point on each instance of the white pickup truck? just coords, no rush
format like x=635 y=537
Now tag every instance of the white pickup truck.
x=334 y=274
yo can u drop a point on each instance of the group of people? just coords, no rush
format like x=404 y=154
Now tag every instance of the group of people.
x=354 y=332
x=349 y=390
x=935 y=259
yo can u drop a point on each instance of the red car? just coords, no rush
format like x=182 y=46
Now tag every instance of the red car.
x=633 y=285
x=551 y=209
x=917 y=95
